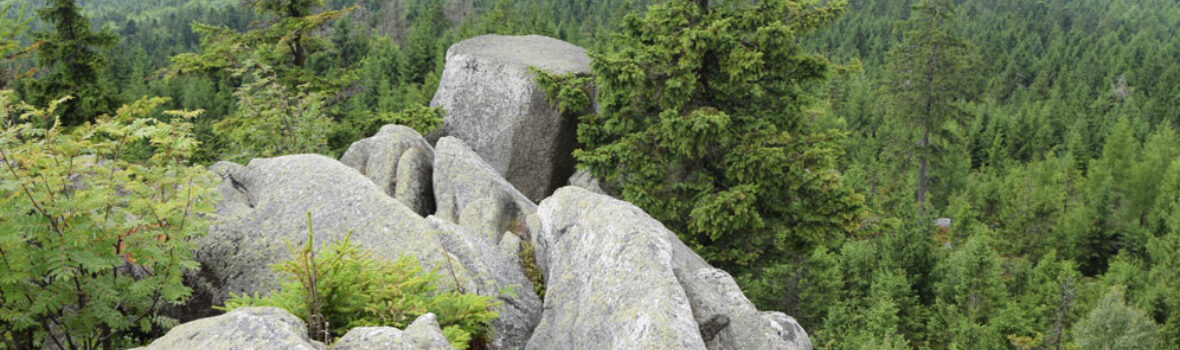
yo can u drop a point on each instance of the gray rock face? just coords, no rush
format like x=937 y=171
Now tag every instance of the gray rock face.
x=493 y=271
x=617 y=279
x=510 y=247
x=470 y=193
x=422 y=334
x=397 y=159
x=265 y=205
x=610 y=283
x=729 y=321
x=583 y=179
x=263 y=328
x=414 y=180
x=493 y=102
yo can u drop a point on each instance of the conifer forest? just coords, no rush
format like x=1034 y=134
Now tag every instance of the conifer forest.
x=893 y=174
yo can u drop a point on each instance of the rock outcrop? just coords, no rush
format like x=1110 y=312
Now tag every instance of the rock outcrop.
x=493 y=102
x=617 y=279
x=729 y=321
x=470 y=193
x=265 y=205
x=262 y=328
x=495 y=270
x=610 y=279
x=422 y=334
x=586 y=180
x=398 y=160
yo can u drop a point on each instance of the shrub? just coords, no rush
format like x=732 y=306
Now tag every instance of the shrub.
x=345 y=287
x=271 y=118
x=362 y=124
x=93 y=242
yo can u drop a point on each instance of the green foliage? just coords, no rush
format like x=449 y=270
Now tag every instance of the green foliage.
x=1112 y=325
x=70 y=55
x=703 y=125
x=969 y=295
x=1051 y=136
x=10 y=47
x=929 y=72
x=272 y=119
x=343 y=286
x=528 y=263
x=569 y=93
x=285 y=39
x=93 y=242
x=420 y=118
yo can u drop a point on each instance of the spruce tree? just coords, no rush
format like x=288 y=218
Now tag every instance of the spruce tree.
x=284 y=40
x=930 y=72
x=71 y=58
x=702 y=124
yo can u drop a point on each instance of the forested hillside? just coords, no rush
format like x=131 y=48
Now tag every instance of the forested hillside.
x=895 y=174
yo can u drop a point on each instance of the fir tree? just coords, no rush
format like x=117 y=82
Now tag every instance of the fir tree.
x=929 y=74
x=71 y=57
x=702 y=125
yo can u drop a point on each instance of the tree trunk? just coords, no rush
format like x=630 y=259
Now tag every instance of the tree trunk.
x=1062 y=310
x=299 y=51
x=297 y=48
x=922 y=164
x=928 y=119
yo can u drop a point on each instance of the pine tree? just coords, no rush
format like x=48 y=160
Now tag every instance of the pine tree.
x=929 y=72
x=71 y=57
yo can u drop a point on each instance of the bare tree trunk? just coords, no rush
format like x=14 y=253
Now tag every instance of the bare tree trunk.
x=393 y=21
x=1062 y=310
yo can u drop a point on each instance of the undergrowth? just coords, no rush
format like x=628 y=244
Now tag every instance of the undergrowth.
x=343 y=286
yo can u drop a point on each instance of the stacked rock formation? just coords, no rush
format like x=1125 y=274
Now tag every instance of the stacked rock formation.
x=615 y=277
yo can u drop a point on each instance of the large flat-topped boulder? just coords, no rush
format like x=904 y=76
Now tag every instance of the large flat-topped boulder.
x=493 y=102
x=524 y=51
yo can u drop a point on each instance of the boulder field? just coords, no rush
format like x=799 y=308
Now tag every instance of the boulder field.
x=615 y=278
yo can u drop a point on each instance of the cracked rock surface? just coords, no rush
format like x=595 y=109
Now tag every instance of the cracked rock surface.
x=617 y=279
x=493 y=103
